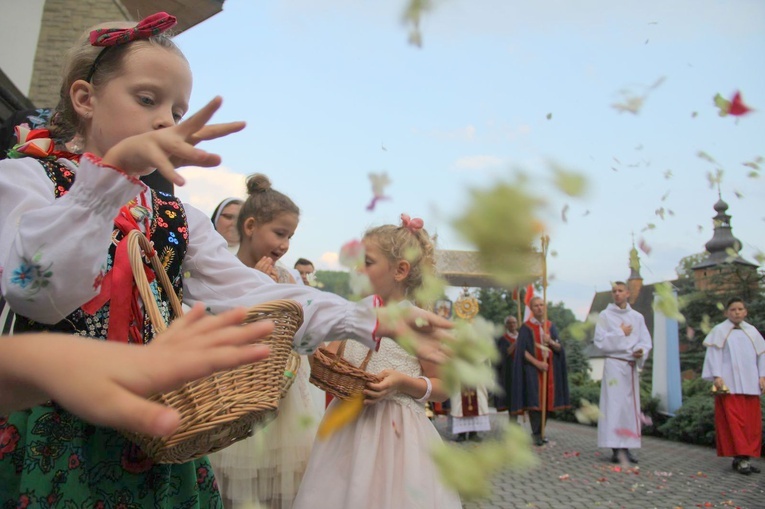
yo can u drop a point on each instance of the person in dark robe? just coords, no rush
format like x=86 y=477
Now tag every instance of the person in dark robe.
x=504 y=367
x=539 y=358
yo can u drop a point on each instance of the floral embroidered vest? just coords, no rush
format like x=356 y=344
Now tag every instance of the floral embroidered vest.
x=168 y=231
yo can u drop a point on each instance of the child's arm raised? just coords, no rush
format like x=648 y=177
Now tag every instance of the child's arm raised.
x=216 y=277
x=107 y=383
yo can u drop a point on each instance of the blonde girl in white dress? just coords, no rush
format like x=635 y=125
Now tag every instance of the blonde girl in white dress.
x=381 y=460
x=265 y=470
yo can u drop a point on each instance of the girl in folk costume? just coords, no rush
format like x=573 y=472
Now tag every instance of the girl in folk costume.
x=621 y=334
x=62 y=219
x=266 y=468
x=735 y=363
x=381 y=460
x=539 y=361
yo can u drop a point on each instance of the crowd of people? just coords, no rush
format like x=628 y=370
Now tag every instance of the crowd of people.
x=71 y=193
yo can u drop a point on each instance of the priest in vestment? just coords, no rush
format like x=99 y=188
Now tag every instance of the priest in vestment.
x=539 y=359
x=622 y=336
x=470 y=413
x=735 y=362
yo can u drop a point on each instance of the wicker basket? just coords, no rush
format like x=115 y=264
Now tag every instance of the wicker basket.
x=335 y=375
x=222 y=408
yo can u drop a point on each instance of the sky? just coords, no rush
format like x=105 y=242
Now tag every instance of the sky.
x=332 y=91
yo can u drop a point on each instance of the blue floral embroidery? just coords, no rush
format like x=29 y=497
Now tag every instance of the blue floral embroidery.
x=22 y=276
x=31 y=276
x=172 y=238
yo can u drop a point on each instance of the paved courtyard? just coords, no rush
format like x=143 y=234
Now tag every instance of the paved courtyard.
x=574 y=473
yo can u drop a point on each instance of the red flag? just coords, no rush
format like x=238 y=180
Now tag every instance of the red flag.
x=527 y=301
x=515 y=294
x=529 y=295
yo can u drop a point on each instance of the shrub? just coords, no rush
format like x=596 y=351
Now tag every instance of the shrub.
x=694 y=422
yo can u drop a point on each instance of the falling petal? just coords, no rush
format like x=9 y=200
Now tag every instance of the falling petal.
x=587 y=413
x=738 y=194
x=569 y=182
x=751 y=164
x=668 y=174
x=722 y=104
x=379 y=182
x=649 y=226
x=352 y=254
x=703 y=155
x=644 y=247
x=737 y=106
x=666 y=301
x=564 y=212
x=549 y=116
x=503 y=223
x=660 y=212
x=470 y=471
x=694 y=114
x=665 y=195
x=699 y=228
x=626 y=433
x=340 y=415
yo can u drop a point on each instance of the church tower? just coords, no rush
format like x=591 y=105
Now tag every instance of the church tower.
x=724 y=270
x=635 y=281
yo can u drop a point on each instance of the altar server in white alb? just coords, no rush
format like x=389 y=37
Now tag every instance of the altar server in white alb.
x=735 y=362
x=621 y=334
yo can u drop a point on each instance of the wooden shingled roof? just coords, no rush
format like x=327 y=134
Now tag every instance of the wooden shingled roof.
x=462 y=268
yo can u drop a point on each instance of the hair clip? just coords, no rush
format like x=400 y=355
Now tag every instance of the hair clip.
x=146 y=28
x=411 y=224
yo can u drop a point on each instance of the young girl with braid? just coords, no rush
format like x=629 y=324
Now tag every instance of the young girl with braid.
x=381 y=460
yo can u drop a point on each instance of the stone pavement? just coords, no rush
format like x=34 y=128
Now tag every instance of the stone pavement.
x=577 y=474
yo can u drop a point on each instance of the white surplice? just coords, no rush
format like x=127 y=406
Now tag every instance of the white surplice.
x=619 y=425
x=68 y=239
x=480 y=422
x=737 y=355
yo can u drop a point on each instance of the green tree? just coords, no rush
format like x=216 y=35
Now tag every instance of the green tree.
x=496 y=304
x=560 y=315
x=334 y=281
x=684 y=270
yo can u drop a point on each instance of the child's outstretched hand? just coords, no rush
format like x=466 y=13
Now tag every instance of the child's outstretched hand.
x=428 y=331
x=172 y=147
x=108 y=383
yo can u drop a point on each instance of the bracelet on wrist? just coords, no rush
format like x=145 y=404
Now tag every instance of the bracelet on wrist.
x=428 y=390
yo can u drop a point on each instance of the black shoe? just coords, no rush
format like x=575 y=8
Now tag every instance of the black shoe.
x=474 y=437
x=545 y=440
x=538 y=440
x=460 y=438
x=630 y=457
x=744 y=467
x=736 y=461
x=615 y=458
x=753 y=469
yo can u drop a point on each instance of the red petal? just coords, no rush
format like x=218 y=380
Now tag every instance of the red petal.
x=737 y=106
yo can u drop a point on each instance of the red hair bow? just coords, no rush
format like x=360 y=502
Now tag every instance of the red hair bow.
x=411 y=224
x=149 y=26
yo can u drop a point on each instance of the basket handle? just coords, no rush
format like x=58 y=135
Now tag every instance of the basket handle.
x=138 y=244
x=341 y=350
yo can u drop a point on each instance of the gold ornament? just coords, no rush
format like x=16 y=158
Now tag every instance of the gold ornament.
x=466 y=307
